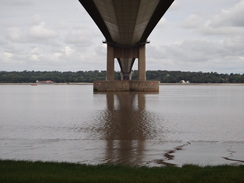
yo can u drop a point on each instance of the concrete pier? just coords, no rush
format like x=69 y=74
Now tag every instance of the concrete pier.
x=110 y=63
x=126 y=57
x=142 y=63
x=125 y=86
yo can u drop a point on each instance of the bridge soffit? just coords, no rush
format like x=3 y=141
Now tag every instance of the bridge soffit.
x=126 y=23
x=126 y=20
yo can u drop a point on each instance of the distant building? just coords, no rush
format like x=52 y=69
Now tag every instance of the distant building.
x=44 y=82
x=184 y=82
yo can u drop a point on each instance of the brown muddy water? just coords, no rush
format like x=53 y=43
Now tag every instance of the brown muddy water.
x=182 y=124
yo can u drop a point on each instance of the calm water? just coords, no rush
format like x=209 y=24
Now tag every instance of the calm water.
x=198 y=124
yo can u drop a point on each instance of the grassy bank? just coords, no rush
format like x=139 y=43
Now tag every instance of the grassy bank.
x=21 y=171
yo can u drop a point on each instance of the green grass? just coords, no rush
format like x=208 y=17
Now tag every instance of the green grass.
x=44 y=172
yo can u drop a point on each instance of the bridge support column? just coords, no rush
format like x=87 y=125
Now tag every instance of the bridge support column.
x=110 y=63
x=126 y=57
x=142 y=63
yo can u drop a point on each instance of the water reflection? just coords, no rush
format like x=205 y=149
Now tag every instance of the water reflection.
x=126 y=124
x=128 y=128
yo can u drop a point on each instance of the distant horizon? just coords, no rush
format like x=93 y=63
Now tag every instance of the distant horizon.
x=117 y=71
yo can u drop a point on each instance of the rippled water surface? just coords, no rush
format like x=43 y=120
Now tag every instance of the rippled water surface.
x=198 y=124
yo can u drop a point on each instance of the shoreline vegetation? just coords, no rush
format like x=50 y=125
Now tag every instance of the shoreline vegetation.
x=220 y=84
x=28 y=171
x=91 y=76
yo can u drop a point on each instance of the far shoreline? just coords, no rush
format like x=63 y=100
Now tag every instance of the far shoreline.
x=82 y=83
x=46 y=84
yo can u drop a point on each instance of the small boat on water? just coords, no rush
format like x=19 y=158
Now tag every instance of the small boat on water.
x=33 y=84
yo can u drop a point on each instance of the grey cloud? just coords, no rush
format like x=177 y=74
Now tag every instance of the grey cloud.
x=196 y=54
x=227 y=22
x=77 y=36
x=193 y=21
x=187 y=51
x=41 y=31
x=231 y=17
x=15 y=2
x=16 y=34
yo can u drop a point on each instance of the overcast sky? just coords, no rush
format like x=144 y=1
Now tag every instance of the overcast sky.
x=193 y=35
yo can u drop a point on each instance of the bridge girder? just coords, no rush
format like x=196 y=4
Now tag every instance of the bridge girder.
x=126 y=23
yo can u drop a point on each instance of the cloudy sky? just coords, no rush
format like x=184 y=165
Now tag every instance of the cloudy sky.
x=193 y=35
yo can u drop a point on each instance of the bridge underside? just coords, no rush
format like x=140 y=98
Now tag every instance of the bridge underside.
x=126 y=25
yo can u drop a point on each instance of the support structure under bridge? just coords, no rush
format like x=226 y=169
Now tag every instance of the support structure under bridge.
x=126 y=25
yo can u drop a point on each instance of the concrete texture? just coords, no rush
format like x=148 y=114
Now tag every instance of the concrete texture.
x=126 y=22
x=142 y=63
x=110 y=63
x=121 y=86
x=126 y=25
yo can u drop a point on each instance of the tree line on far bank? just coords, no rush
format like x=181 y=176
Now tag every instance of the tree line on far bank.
x=90 y=76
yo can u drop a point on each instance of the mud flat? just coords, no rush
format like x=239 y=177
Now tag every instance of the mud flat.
x=205 y=154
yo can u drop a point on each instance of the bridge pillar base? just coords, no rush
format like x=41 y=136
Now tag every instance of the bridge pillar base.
x=126 y=86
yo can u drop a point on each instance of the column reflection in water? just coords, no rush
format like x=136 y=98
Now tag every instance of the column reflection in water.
x=126 y=125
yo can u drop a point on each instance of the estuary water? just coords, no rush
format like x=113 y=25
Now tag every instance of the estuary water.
x=182 y=124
